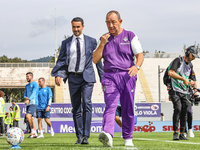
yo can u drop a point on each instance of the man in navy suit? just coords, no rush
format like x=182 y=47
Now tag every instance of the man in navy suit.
x=75 y=64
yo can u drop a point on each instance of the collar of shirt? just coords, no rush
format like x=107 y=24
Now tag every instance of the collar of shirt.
x=81 y=38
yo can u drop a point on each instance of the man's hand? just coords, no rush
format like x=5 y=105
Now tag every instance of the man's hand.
x=174 y=75
x=132 y=71
x=104 y=38
x=191 y=83
x=47 y=109
x=58 y=81
x=186 y=82
x=26 y=100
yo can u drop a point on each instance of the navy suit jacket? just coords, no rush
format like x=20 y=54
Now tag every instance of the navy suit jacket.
x=61 y=68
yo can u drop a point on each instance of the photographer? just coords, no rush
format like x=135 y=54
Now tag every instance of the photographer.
x=180 y=72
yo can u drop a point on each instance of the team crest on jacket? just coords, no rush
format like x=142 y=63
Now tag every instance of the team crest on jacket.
x=125 y=39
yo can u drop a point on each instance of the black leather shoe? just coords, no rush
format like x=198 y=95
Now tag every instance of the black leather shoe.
x=85 y=140
x=175 y=137
x=79 y=140
x=182 y=137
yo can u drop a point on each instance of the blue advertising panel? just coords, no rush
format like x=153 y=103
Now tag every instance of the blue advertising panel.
x=148 y=109
x=68 y=127
x=65 y=110
x=143 y=126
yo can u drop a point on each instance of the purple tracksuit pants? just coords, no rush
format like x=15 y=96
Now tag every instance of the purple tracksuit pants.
x=114 y=85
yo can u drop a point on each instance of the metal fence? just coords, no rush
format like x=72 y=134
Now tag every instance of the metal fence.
x=50 y=65
x=162 y=55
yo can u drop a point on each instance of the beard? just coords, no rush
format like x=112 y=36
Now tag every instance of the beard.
x=77 y=33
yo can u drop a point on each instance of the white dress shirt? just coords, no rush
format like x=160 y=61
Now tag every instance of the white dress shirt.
x=73 y=54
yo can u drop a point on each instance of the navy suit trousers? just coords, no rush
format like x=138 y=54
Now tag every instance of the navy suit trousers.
x=80 y=93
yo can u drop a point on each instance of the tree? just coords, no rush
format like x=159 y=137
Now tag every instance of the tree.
x=13 y=93
x=159 y=54
x=52 y=59
x=5 y=59
x=145 y=52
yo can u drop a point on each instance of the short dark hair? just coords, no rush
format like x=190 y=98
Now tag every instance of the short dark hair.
x=78 y=19
x=114 y=11
x=11 y=107
x=30 y=73
x=43 y=79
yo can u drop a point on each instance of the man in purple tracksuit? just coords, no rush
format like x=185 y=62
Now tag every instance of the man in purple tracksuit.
x=118 y=48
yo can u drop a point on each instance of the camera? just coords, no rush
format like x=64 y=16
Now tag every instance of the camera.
x=194 y=99
x=197 y=100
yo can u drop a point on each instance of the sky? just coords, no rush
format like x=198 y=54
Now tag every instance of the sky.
x=27 y=27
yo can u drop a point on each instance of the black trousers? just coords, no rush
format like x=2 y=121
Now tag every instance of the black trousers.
x=15 y=123
x=189 y=117
x=180 y=104
x=6 y=127
x=1 y=125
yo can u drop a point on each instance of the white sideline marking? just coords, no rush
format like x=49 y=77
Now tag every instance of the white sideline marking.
x=167 y=141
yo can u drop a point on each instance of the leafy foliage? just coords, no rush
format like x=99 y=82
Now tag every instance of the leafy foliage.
x=13 y=93
x=5 y=59
x=159 y=54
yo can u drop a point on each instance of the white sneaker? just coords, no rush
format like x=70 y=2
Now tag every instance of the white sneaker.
x=106 y=139
x=32 y=135
x=52 y=132
x=40 y=136
x=190 y=133
x=128 y=142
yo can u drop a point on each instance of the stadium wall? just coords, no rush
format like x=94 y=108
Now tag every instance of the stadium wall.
x=14 y=77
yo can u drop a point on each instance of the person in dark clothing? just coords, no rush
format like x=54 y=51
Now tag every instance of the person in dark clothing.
x=180 y=71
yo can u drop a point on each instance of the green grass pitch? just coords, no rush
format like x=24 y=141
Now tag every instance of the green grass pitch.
x=142 y=140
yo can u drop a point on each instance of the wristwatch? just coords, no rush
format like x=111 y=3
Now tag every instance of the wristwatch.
x=137 y=67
